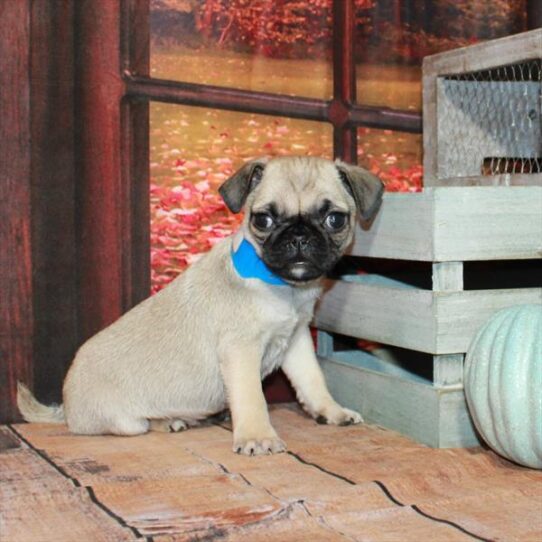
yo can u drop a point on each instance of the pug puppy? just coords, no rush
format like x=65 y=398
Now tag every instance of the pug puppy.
x=206 y=341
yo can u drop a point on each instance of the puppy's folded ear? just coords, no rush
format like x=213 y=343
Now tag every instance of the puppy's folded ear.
x=235 y=190
x=364 y=187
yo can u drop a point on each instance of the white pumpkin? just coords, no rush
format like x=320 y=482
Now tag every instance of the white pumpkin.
x=503 y=383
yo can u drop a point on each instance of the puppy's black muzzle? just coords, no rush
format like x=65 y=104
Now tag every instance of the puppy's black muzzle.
x=298 y=252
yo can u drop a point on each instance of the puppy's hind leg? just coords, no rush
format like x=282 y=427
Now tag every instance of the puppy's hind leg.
x=129 y=426
x=168 y=426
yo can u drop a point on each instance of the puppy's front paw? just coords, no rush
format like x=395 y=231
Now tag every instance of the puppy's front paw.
x=258 y=446
x=338 y=415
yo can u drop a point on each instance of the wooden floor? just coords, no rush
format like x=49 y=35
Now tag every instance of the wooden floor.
x=334 y=484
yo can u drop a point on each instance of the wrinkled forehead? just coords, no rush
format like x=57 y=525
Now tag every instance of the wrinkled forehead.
x=299 y=186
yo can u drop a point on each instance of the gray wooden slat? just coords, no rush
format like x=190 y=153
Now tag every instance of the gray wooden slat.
x=400 y=317
x=402 y=229
x=461 y=314
x=432 y=322
x=448 y=370
x=456 y=224
x=435 y=417
x=487 y=223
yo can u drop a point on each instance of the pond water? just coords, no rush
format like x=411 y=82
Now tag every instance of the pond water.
x=193 y=150
x=377 y=84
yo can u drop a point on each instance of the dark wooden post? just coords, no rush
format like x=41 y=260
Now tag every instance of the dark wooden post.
x=37 y=261
x=16 y=311
x=344 y=81
x=112 y=163
x=73 y=183
x=99 y=192
x=53 y=189
x=135 y=51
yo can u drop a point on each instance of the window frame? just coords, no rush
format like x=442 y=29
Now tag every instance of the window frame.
x=342 y=111
x=113 y=57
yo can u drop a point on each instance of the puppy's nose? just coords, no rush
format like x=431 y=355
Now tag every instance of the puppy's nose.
x=299 y=242
x=298 y=237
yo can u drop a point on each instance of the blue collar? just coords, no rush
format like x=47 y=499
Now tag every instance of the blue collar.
x=249 y=265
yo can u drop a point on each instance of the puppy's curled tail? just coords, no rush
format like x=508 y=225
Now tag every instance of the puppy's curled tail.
x=33 y=411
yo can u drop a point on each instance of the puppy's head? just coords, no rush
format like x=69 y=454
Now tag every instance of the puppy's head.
x=301 y=211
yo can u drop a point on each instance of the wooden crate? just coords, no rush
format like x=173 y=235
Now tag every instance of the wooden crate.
x=482 y=111
x=465 y=214
x=446 y=224
x=440 y=321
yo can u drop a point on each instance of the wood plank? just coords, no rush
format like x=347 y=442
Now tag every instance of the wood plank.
x=297 y=527
x=100 y=205
x=91 y=460
x=455 y=474
x=53 y=195
x=135 y=169
x=461 y=314
x=16 y=310
x=487 y=223
x=422 y=475
x=455 y=427
x=501 y=179
x=8 y=441
x=430 y=480
x=392 y=524
x=436 y=417
x=24 y=473
x=298 y=429
x=324 y=343
x=139 y=480
x=287 y=478
x=521 y=515
x=433 y=322
x=401 y=230
x=55 y=516
x=216 y=502
x=37 y=502
x=447 y=276
x=481 y=56
x=448 y=370
x=456 y=224
x=334 y=483
x=391 y=315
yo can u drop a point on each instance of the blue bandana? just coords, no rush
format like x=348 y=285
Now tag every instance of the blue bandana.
x=249 y=265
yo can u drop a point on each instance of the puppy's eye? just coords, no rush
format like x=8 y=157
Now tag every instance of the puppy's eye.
x=335 y=221
x=262 y=221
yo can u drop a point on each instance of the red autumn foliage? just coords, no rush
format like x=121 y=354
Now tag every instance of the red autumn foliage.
x=274 y=28
x=186 y=221
x=402 y=31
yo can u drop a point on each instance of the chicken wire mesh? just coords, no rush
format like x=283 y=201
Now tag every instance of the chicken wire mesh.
x=489 y=121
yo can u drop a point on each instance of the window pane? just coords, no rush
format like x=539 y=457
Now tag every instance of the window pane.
x=262 y=45
x=396 y=157
x=193 y=150
x=394 y=35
